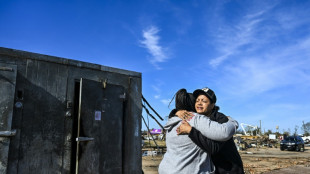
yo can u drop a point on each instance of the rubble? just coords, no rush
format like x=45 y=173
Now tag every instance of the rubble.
x=255 y=161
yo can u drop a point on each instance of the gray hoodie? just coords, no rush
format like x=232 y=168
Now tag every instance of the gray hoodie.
x=185 y=157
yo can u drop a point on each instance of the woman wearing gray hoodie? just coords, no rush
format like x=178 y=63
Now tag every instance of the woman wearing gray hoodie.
x=183 y=156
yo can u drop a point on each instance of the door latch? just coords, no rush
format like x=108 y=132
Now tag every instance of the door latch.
x=123 y=96
x=6 y=69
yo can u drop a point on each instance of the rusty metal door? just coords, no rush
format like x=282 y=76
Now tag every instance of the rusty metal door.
x=100 y=122
x=7 y=92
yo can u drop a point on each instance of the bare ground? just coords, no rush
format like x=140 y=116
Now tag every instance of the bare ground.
x=256 y=161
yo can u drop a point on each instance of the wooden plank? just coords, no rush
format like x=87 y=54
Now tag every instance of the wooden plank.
x=132 y=159
x=7 y=91
x=62 y=89
x=103 y=154
x=52 y=78
x=17 y=117
x=42 y=125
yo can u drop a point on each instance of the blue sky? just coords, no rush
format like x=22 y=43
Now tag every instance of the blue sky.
x=254 y=53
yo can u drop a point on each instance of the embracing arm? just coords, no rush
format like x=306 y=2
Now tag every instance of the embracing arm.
x=206 y=144
x=214 y=130
x=210 y=146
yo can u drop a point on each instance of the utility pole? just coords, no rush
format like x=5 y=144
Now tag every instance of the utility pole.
x=260 y=127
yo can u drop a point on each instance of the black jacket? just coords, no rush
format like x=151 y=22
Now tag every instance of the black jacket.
x=224 y=155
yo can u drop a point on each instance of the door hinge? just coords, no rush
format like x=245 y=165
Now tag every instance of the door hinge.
x=8 y=133
x=78 y=139
x=6 y=69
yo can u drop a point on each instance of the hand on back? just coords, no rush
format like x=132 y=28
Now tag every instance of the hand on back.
x=184 y=128
x=184 y=115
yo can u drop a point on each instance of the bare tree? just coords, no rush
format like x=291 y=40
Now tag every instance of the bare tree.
x=296 y=129
x=306 y=128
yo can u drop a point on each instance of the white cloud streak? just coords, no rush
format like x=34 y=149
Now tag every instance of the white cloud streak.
x=151 y=43
x=260 y=53
x=165 y=101
x=156 y=87
x=263 y=73
x=233 y=38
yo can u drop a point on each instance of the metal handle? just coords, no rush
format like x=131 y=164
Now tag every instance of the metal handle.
x=78 y=139
x=8 y=133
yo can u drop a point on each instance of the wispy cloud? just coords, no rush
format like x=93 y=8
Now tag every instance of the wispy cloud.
x=151 y=43
x=262 y=28
x=165 y=101
x=156 y=86
x=272 y=70
x=232 y=39
x=262 y=51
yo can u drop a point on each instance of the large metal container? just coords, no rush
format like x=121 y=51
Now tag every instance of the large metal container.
x=64 y=116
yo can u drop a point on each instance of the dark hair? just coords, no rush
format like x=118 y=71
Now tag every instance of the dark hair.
x=216 y=108
x=184 y=100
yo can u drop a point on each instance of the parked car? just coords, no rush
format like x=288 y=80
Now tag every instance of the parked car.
x=306 y=139
x=292 y=143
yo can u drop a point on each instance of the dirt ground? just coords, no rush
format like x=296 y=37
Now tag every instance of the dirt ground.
x=256 y=161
